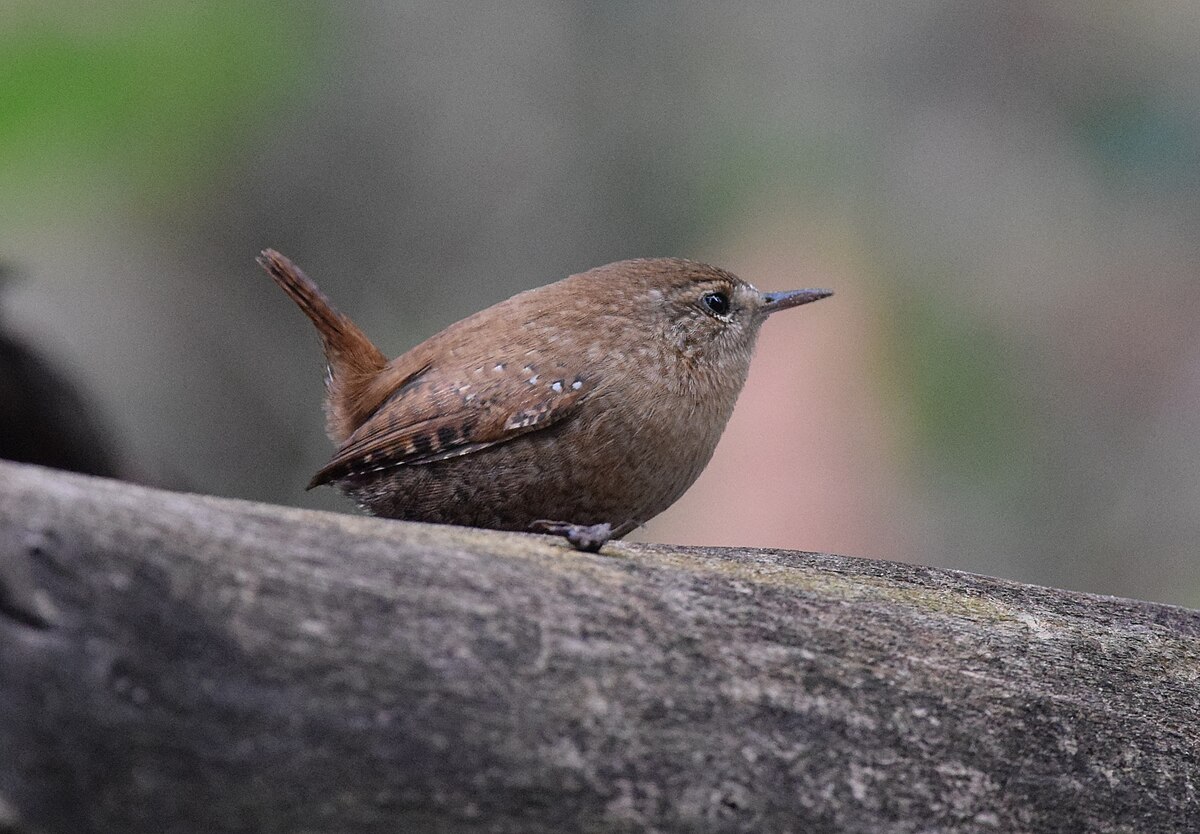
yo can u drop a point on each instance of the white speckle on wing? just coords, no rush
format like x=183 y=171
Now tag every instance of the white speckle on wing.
x=576 y=385
x=499 y=367
x=533 y=379
x=556 y=387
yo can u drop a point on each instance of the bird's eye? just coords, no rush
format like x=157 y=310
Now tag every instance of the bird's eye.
x=716 y=303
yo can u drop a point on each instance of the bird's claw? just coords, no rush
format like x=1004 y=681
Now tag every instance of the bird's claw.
x=586 y=537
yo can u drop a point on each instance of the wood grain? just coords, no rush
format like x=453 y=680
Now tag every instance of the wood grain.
x=176 y=662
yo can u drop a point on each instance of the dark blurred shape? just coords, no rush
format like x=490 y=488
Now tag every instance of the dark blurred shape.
x=44 y=418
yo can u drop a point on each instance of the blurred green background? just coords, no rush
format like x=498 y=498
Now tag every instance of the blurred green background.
x=1006 y=198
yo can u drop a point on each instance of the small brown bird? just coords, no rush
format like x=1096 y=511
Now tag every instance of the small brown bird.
x=583 y=408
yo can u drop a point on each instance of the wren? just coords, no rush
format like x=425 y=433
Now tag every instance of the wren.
x=582 y=408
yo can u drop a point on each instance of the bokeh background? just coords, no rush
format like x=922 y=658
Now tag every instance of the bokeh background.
x=1005 y=197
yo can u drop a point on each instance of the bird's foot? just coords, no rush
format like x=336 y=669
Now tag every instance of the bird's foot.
x=586 y=537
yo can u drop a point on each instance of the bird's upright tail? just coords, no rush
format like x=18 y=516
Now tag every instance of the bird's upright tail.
x=353 y=360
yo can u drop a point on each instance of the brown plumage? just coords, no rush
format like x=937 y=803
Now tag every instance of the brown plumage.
x=584 y=407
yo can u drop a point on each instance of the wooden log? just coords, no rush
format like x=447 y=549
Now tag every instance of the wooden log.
x=184 y=663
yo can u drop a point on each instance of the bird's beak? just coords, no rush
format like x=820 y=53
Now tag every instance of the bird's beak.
x=773 y=302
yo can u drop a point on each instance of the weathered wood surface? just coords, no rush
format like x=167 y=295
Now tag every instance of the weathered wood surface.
x=183 y=663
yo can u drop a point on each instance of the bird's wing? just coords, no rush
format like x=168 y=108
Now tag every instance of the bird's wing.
x=435 y=415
